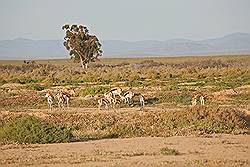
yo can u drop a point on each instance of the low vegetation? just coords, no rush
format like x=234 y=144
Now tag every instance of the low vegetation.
x=93 y=90
x=28 y=129
x=169 y=151
x=222 y=72
x=165 y=83
x=63 y=127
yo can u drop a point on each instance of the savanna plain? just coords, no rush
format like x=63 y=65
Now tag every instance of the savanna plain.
x=170 y=130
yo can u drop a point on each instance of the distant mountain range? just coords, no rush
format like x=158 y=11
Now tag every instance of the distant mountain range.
x=21 y=48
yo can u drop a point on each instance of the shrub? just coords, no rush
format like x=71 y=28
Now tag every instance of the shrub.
x=31 y=130
x=198 y=120
x=133 y=83
x=2 y=82
x=35 y=87
x=93 y=90
x=216 y=120
x=176 y=98
x=15 y=80
x=169 y=151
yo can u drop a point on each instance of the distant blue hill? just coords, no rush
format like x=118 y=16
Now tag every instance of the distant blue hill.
x=21 y=48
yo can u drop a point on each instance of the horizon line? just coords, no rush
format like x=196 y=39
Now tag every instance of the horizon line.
x=24 y=38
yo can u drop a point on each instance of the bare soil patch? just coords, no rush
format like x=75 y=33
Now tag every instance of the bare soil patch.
x=213 y=150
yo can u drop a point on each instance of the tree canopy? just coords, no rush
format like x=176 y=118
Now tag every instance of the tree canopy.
x=82 y=46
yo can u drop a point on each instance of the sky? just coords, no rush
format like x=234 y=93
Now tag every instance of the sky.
x=130 y=20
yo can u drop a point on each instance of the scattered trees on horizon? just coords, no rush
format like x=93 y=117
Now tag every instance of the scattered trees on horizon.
x=82 y=46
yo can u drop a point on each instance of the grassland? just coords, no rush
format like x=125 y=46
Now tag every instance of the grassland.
x=168 y=84
x=170 y=130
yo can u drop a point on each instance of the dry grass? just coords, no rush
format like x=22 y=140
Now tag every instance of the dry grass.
x=165 y=83
x=100 y=125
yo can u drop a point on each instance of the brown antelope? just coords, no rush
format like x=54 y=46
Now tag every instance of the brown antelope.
x=116 y=92
x=194 y=100
x=63 y=97
x=50 y=99
x=103 y=101
x=110 y=97
x=128 y=96
x=142 y=100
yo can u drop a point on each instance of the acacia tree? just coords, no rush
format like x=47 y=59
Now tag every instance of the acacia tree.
x=82 y=46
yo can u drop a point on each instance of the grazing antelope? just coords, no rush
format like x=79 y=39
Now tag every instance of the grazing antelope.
x=142 y=100
x=116 y=92
x=110 y=97
x=118 y=100
x=63 y=97
x=50 y=99
x=103 y=101
x=113 y=98
x=128 y=96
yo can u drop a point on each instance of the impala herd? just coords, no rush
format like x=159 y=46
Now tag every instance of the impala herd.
x=116 y=95
x=63 y=98
x=111 y=98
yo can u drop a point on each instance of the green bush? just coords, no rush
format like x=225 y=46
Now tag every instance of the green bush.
x=31 y=130
x=35 y=87
x=176 y=98
x=15 y=80
x=28 y=80
x=133 y=83
x=198 y=120
x=2 y=82
x=215 y=120
x=169 y=151
x=93 y=90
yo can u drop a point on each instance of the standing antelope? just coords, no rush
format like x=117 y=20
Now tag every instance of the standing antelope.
x=194 y=100
x=142 y=100
x=202 y=100
x=50 y=99
x=63 y=97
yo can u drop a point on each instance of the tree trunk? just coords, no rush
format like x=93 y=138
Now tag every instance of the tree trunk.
x=82 y=63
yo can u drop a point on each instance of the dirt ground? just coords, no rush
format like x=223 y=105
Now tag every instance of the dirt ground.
x=210 y=150
x=214 y=150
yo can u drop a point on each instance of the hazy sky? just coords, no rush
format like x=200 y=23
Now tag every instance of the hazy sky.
x=125 y=19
